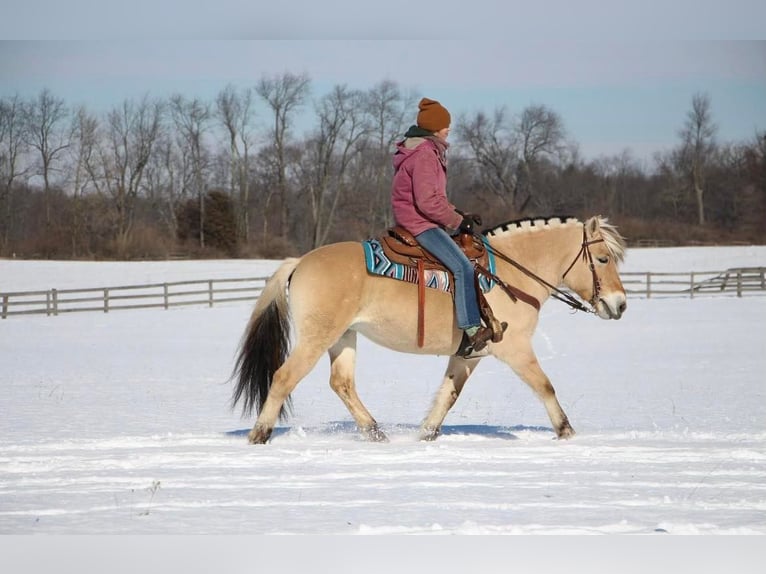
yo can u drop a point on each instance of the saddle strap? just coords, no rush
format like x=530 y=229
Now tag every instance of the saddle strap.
x=421 y=303
x=486 y=312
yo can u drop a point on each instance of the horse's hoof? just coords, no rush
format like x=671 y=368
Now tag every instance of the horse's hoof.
x=259 y=435
x=566 y=432
x=374 y=434
x=430 y=434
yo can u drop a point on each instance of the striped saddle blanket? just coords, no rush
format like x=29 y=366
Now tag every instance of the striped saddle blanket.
x=379 y=264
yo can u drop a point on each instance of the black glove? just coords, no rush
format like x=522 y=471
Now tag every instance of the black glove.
x=475 y=216
x=469 y=221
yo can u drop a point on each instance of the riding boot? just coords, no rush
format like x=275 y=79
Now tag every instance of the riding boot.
x=475 y=343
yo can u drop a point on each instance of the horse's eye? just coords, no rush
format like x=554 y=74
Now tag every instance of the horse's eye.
x=603 y=260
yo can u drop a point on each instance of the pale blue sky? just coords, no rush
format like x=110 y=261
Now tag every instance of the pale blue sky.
x=543 y=20
x=621 y=74
x=612 y=95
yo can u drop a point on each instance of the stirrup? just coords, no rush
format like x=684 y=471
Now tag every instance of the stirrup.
x=477 y=343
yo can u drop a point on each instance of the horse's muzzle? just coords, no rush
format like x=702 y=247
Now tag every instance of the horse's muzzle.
x=612 y=307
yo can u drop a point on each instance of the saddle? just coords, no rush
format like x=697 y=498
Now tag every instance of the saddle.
x=400 y=246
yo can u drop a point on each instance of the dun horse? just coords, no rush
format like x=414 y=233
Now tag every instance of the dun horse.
x=332 y=297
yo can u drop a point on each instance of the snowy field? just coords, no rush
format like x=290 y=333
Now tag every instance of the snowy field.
x=120 y=423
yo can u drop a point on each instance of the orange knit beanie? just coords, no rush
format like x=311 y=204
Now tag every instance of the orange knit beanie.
x=432 y=115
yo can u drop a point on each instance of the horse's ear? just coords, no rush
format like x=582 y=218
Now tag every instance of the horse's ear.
x=593 y=224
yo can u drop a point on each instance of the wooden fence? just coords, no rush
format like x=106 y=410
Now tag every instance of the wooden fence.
x=159 y=295
x=740 y=282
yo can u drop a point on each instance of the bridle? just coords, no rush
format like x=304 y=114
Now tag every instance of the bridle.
x=556 y=293
x=587 y=256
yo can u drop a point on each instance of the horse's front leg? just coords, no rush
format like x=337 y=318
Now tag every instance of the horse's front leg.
x=518 y=354
x=458 y=371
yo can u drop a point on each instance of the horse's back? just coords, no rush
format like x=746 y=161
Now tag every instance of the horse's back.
x=325 y=288
x=332 y=287
x=335 y=264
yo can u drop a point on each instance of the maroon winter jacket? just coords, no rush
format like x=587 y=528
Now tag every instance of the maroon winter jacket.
x=419 y=190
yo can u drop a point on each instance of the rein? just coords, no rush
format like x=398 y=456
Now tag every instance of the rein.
x=555 y=292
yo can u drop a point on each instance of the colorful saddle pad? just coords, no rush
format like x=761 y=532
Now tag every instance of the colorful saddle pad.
x=378 y=264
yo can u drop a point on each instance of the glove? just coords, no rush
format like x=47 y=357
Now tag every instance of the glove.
x=475 y=216
x=469 y=221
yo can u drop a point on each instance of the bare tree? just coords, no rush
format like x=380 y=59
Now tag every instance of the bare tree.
x=615 y=171
x=541 y=133
x=131 y=133
x=46 y=133
x=495 y=148
x=755 y=157
x=235 y=111
x=386 y=107
x=128 y=171
x=169 y=180
x=82 y=152
x=192 y=118
x=284 y=95
x=670 y=187
x=342 y=125
x=12 y=147
x=697 y=148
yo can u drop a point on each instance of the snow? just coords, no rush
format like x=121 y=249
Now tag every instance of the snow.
x=120 y=423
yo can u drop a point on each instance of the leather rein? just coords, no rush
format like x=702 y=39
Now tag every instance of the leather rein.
x=555 y=292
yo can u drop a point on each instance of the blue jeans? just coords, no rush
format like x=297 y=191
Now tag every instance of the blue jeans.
x=439 y=244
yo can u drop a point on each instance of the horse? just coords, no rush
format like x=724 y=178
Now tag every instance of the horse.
x=330 y=297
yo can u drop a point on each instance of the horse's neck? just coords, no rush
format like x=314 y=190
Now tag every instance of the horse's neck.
x=546 y=252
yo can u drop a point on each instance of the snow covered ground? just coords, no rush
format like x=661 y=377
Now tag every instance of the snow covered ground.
x=120 y=423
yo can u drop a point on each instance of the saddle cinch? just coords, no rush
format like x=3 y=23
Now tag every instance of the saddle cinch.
x=400 y=246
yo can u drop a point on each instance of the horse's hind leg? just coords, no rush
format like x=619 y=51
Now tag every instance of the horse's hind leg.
x=298 y=364
x=458 y=371
x=342 y=363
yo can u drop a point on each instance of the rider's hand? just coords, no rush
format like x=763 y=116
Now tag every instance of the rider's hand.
x=470 y=220
x=475 y=216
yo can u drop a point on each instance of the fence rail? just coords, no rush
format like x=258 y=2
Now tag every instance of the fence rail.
x=209 y=292
x=740 y=282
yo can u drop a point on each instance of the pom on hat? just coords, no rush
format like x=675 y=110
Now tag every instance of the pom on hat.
x=432 y=115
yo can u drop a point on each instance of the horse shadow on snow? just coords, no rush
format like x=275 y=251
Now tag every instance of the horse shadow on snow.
x=345 y=428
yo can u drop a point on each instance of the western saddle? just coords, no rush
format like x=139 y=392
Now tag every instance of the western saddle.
x=400 y=246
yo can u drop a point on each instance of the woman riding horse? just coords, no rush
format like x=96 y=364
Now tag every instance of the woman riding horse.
x=420 y=205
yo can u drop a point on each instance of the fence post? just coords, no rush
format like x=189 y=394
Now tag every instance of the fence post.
x=165 y=294
x=55 y=295
x=5 y=306
x=47 y=303
x=648 y=284
x=210 y=293
x=106 y=300
x=739 y=283
x=691 y=284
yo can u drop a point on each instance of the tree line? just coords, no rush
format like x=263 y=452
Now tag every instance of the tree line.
x=182 y=176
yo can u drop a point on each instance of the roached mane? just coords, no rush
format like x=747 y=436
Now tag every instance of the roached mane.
x=613 y=240
x=531 y=224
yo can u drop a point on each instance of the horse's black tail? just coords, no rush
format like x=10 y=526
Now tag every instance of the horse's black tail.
x=264 y=345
